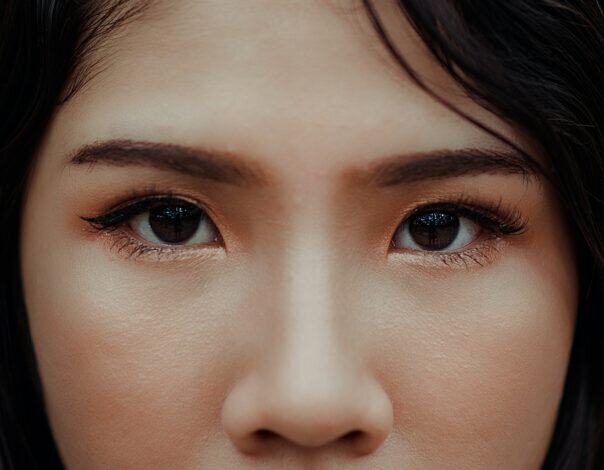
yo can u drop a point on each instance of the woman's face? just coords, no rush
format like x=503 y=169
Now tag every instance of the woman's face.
x=293 y=258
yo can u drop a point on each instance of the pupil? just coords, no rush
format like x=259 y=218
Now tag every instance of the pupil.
x=174 y=223
x=434 y=230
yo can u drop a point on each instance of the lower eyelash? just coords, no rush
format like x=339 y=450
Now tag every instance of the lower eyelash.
x=129 y=247
x=479 y=256
x=476 y=257
x=124 y=243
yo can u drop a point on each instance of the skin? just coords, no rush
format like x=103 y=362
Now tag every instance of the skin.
x=304 y=340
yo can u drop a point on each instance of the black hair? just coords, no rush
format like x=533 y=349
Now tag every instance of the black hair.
x=538 y=64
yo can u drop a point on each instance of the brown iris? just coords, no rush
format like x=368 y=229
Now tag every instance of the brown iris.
x=434 y=231
x=175 y=223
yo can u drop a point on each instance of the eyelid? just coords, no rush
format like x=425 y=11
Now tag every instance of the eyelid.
x=508 y=222
x=496 y=219
x=125 y=211
x=123 y=240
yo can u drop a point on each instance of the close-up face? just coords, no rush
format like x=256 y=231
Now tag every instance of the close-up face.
x=252 y=241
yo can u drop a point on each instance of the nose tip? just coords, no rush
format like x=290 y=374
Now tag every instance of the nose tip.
x=357 y=419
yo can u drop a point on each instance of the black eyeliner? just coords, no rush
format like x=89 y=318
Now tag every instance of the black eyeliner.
x=118 y=216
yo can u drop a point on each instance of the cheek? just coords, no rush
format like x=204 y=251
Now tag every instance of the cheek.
x=132 y=359
x=478 y=360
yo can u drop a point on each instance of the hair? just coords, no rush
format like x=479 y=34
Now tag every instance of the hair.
x=537 y=64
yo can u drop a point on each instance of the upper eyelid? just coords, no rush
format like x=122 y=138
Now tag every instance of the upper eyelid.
x=128 y=209
x=459 y=208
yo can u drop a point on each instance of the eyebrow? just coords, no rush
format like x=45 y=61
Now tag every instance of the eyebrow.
x=447 y=163
x=229 y=168
x=210 y=164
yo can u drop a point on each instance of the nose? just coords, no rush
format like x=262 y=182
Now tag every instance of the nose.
x=306 y=414
x=308 y=386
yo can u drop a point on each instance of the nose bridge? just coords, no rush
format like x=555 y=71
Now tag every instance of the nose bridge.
x=309 y=302
x=310 y=310
x=309 y=388
x=305 y=285
x=309 y=360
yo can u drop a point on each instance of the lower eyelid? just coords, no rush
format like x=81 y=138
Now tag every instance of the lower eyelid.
x=127 y=246
x=483 y=254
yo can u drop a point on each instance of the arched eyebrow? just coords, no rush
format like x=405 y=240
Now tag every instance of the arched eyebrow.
x=210 y=164
x=232 y=169
x=446 y=163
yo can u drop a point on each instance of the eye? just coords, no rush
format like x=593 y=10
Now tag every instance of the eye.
x=175 y=223
x=161 y=221
x=436 y=230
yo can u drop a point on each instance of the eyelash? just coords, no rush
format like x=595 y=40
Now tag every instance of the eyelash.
x=495 y=220
x=109 y=223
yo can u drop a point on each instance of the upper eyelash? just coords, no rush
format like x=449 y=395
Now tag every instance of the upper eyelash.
x=133 y=196
x=117 y=216
x=495 y=218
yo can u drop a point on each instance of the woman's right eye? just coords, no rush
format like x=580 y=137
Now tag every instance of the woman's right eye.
x=162 y=221
x=174 y=223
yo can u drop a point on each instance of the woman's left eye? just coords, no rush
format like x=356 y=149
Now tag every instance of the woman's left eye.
x=436 y=230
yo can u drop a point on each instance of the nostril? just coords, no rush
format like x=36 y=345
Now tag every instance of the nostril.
x=352 y=436
x=265 y=434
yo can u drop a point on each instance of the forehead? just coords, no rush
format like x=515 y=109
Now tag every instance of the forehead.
x=289 y=78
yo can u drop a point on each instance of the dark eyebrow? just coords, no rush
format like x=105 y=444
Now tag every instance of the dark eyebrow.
x=215 y=165
x=441 y=164
x=225 y=167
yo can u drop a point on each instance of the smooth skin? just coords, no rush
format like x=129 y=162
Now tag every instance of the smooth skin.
x=304 y=338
